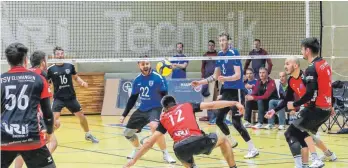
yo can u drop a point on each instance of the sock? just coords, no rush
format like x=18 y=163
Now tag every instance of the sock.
x=165 y=151
x=88 y=133
x=232 y=140
x=314 y=156
x=235 y=166
x=328 y=153
x=304 y=164
x=298 y=161
x=250 y=145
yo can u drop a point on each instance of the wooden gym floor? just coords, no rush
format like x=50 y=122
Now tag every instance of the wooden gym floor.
x=75 y=152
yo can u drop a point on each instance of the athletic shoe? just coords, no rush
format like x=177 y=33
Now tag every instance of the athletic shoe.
x=317 y=164
x=90 y=137
x=167 y=158
x=131 y=156
x=268 y=126
x=329 y=158
x=281 y=127
x=251 y=154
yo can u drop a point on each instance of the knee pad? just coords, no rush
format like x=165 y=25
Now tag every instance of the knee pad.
x=130 y=134
x=294 y=144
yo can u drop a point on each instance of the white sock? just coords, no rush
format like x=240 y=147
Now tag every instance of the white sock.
x=231 y=139
x=88 y=133
x=315 y=156
x=251 y=145
x=165 y=151
x=298 y=161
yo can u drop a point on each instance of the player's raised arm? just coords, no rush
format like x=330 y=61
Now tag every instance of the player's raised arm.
x=207 y=80
x=221 y=104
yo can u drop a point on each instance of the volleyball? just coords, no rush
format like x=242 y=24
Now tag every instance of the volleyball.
x=163 y=68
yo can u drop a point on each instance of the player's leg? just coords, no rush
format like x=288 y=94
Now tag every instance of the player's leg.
x=19 y=162
x=7 y=157
x=57 y=107
x=38 y=158
x=328 y=155
x=292 y=135
x=75 y=108
x=226 y=151
x=305 y=157
x=154 y=116
x=52 y=145
x=134 y=125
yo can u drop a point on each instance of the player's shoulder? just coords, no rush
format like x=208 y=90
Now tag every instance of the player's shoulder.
x=51 y=67
x=157 y=75
x=138 y=77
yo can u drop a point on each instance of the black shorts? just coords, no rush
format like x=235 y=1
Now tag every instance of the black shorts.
x=72 y=105
x=311 y=118
x=37 y=158
x=195 y=145
x=140 y=119
x=232 y=95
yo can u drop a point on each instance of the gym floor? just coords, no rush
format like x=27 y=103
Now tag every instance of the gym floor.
x=75 y=152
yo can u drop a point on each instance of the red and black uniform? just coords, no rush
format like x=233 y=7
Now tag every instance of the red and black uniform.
x=315 y=92
x=22 y=91
x=189 y=140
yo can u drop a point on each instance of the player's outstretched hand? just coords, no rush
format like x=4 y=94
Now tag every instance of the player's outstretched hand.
x=269 y=114
x=240 y=108
x=195 y=83
x=56 y=124
x=129 y=164
x=332 y=112
x=85 y=84
x=122 y=119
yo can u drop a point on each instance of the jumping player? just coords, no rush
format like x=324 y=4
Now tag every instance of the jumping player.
x=150 y=87
x=39 y=65
x=229 y=72
x=180 y=122
x=22 y=92
x=296 y=85
x=316 y=94
x=61 y=75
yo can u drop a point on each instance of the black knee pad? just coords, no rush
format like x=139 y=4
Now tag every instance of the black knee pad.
x=293 y=142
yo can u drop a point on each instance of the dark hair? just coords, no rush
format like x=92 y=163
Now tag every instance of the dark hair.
x=263 y=68
x=312 y=43
x=258 y=40
x=212 y=41
x=181 y=44
x=57 y=49
x=37 y=57
x=250 y=69
x=168 y=101
x=225 y=34
x=15 y=53
x=145 y=56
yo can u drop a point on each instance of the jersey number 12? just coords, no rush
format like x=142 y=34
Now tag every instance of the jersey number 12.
x=178 y=119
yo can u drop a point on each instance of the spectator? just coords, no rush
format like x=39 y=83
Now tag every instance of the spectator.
x=250 y=81
x=283 y=87
x=264 y=90
x=207 y=69
x=179 y=67
x=258 y=63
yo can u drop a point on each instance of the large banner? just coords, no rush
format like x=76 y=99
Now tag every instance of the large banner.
x=179 y=88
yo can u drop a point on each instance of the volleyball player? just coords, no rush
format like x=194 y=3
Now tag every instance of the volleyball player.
x=229 y=72
x=61 y=75
x=180 y=122
x=315 y=92
x=150 y=87
x=39 y=65
x=22 y=92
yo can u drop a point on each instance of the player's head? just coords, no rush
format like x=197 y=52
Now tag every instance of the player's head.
x=310 y=47
x=283 y=77
x=211 y=45
x=179 y=47
x=58 y=53
x=223 y=41
x=16 y=54
x=257 y=44
x=144 y=66
x=168 y=102
x=263 y=73
x=38 y=59
x=249 y=73
x=291 y=64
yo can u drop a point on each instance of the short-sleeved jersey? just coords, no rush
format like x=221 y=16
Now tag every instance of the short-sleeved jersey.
x=21 y=92
x=297 y=86
x=149 y=88
x=180 y=121
x=39 y=71
x=178 y=72
x=319 y=73
x=227 y=69
x=61 y=77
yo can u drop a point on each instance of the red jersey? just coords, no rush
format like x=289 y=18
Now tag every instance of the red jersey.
x=180 y=121
x=21 y=92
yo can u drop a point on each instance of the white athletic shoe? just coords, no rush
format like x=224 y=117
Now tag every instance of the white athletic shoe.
x=329 y=158
x=268 y=126
x=167 y=158
x=131 y=156
x=281 y=127
x=90 y=137
x=317 y=164
x=251 y=154
x=247 y=124
x=257 y=126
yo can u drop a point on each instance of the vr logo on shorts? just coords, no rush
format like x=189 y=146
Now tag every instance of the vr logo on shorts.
x=67 y=71
x=151 y=83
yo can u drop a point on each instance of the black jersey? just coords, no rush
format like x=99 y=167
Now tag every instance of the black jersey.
x=61 y=77
x=21 y=92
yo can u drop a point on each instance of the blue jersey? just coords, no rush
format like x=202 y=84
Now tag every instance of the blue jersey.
x=149 y=88
x=227 y=69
